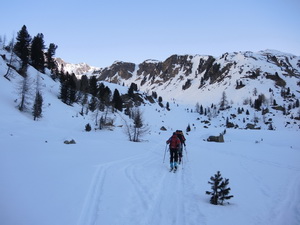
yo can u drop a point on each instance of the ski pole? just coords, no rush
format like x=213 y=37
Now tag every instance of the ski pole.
x=182 y=159
x=186 y=153
x=165 y=153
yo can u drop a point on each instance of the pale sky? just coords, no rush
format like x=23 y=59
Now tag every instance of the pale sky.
x=99 y=32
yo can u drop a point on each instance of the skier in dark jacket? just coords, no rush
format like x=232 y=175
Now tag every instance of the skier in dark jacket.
x=175 y=143
x=182 y=139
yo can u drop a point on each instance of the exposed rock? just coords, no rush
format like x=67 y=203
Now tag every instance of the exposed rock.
x=252 y=126
x=70 y=142
x=123 y=69
x=163 y=128
x=219 y=138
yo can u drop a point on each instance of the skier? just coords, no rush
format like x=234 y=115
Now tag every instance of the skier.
x=182 y=140
x=175 y=143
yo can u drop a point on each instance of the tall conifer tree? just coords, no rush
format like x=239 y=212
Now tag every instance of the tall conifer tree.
x=117 y=100
x=49 y=57
x=21 y=48
x=37 y=52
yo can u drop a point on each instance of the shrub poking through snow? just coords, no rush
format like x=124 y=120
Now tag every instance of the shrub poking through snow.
x=88 y=127
x=220 y=191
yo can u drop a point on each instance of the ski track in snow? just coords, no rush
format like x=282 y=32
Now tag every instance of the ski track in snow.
x=156 y=196
x=89 y=213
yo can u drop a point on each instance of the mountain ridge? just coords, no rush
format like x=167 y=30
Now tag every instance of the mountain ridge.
x=181 y=74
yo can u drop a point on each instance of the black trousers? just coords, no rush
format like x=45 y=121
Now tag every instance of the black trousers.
x=173 y=155
x=180 y=152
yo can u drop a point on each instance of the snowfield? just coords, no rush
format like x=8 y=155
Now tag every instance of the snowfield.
x=105 y=179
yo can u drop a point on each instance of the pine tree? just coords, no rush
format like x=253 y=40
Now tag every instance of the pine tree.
x=64 y=92
x=220 y=191
x=88 y=127
x=132 y=89
x=215 y=186
x=21 y=48
x=68 y=88
x=51 y=65
x=117 y=100
x=37 y=52
x=84 y=84
x=201 y=110
x=72 y=89
x=93 y=87
x=37 y=107
x=224 y=191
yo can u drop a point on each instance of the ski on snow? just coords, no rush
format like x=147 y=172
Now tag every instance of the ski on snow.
x=173 y=170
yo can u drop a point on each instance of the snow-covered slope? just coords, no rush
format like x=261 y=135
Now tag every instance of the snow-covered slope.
x=105 y=179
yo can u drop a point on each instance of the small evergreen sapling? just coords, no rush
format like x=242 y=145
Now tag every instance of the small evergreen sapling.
x=224 y=194
x=220 y=191
x=88 y=127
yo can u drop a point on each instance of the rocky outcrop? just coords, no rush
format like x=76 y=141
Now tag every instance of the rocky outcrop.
x=122 y=69
x=219 y=138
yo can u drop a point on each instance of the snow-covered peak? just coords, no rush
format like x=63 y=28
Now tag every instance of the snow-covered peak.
x=78 y=69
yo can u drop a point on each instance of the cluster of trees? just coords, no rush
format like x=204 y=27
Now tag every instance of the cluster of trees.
x=86 y=91
x=260 y=103
x=31 y=51
x=97 y=98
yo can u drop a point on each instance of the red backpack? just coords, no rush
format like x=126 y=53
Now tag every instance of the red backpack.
x=174 y=141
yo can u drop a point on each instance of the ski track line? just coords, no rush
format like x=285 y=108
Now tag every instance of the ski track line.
x=148 y=191
x=190 y=206
x=89 y=212
x=144 y=192
x=159 y=197
x=88 y=215
x=172 y=201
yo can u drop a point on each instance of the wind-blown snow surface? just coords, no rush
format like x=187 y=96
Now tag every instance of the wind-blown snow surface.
x=105 y=179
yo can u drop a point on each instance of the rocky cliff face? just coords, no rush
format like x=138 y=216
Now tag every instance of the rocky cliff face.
x=117 y=72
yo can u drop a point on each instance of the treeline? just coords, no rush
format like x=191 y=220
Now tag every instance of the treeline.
x=88 y=92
